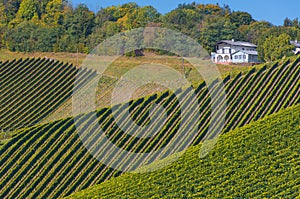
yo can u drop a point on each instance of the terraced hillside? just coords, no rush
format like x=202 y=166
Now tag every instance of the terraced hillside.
x=260 y=160
x=50 y=160
x=33 y=88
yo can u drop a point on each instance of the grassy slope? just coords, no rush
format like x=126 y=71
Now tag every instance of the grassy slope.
x=125 y=62
x=118 y=67
x=40 y=161
x=258 y=160
x=71 y=58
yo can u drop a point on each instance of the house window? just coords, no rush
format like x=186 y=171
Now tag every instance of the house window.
x=244 y=56
x=240 y=56
x=236 y=56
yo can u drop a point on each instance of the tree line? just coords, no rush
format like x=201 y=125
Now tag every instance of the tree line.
x=57 y=26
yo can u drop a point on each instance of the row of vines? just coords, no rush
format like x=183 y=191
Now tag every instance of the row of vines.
x=31 y=89
x=260 y=160
x=50 y=161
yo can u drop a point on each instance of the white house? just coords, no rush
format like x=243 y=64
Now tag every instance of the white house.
x=296 y=51
x=230 y=51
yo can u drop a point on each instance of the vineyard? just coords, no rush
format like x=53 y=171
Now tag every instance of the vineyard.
x=31 y=89
x=50 y=161
x=260 y=160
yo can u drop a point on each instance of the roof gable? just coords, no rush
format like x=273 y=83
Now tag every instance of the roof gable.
x=237 y=43
x=295 y=43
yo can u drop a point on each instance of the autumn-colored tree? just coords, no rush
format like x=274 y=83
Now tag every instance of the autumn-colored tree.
x=53 y=15
x=27 y=10
x=210 y=9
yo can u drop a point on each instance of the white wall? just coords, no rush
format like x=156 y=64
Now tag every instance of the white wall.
x=241 y=57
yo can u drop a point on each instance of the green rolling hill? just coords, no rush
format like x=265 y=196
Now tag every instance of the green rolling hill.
x=50 y=161
x=259 y=160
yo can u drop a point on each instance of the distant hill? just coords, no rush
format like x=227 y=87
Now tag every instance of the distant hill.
x=57 y=26
x=259 y=160
x=50 y=161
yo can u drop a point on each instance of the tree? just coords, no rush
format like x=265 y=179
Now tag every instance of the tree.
x=254 y=31
x=78 y=25
x=29 y=37
x=296 y=23
x=28 y=8
x=185 y=20
x=216 y=29
x=144 y=16
x=210 y=9
x=45 y=39
x=241 y=18
x=19 y=37
x=3 y=17
x=104 y=15
x=84 y=20
x=53 y=15
x=275 y=48
x=125 y=9
x=287 y=22
x=191 y=6
x=11 y=8
x=2 y=31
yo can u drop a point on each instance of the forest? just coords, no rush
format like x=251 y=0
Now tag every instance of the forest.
x=58 y=26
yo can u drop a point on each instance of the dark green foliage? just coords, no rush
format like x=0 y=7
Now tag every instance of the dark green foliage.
x=11 y=8
x=252 y=33
x=28 y=37
x=241 y=18
x=215 y=29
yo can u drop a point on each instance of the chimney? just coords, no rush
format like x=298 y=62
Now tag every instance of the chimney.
x=232 y=40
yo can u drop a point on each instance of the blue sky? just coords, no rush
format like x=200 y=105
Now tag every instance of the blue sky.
x=273 y=11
